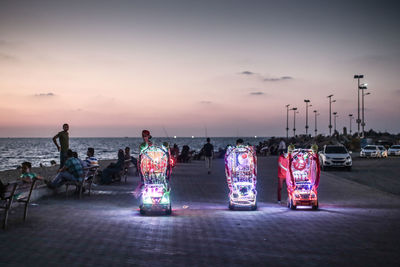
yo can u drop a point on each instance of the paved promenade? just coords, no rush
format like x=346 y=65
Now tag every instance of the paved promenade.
x=356 y=225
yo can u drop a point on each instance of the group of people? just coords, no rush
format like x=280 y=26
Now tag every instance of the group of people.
x=73 y=168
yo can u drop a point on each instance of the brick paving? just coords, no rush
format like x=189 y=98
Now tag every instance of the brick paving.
x=356 y=225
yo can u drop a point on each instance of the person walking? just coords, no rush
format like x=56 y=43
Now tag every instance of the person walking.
x=208 y=150
x=63 y=138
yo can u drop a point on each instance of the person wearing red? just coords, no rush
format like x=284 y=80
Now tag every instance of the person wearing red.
x=283 y=162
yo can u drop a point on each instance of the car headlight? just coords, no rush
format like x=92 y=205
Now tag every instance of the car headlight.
x=327 y=157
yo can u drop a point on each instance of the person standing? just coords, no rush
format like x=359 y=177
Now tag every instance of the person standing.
x=281 y=147
x=283 y=163
x=208 y=150
x=64 y=143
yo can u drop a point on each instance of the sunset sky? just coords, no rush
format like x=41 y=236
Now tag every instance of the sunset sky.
x=112 y=68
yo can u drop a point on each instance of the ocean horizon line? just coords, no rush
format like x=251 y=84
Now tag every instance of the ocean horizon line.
x=254 y=137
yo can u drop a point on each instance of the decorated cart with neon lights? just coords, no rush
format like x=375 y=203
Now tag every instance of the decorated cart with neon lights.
x=302 y=178
x=155 y=172
x=241 y=176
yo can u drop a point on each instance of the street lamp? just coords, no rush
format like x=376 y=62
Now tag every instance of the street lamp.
x=294 y=121
x=315 y=120
x=363 y=121
x=330 y=113
x=358 y=77
x=307 y=101
x=334 y=118
x=362 y=87
x=351 y=118
x=287 y=122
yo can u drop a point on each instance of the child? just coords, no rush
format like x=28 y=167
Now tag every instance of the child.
x=26 y=174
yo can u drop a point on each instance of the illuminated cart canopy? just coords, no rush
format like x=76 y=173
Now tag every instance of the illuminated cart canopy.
x=155 y=171
x=302 y=178
x=241 y=175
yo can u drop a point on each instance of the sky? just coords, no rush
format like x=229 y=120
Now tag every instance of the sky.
x=195 y=68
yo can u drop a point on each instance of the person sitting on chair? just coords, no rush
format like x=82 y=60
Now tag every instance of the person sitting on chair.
x=72 y=171
x=113 y=169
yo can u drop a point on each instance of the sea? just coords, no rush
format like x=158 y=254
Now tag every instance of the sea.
x=14 y=151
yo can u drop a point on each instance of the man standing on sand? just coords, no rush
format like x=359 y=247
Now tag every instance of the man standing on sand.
x=208 y=150
x=64 y=143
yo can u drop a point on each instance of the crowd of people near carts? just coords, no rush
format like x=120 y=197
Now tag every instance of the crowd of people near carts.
x=73 y=168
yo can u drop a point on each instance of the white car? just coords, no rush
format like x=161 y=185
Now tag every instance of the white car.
x=394 y=150
x=384 y=152
x=335 y=156
x=370 y=151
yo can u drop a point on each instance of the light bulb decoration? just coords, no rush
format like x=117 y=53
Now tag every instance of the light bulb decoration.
x=155 y=172
x=302 y=178
x=241 y=176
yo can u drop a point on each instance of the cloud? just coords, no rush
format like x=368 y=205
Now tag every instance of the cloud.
x=7 y=57
x=205 y=102
x=266 y=79
x=256 y=93
x=246 y=72
x=44 y=95
x=283 y=78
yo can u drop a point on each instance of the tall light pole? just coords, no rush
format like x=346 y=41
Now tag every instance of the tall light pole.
x=334 y=118
x=362 y=87
x=350 y=118
x=363 y=121
x=330 y=113
x=294 y=121
x=307 y=101
x=315 y=120
x=287 y=122
x=358 y=77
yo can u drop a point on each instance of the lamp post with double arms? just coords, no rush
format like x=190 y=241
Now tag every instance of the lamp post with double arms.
x=330 y=113
x=358 y=77
x=362 y=87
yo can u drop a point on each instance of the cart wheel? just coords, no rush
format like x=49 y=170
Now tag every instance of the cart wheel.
x=254 y=207
x=292 y=207
x=231 y=207
x=169 y=210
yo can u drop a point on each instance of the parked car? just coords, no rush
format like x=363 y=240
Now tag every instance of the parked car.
x=335 y=156
x=370 y=151
x=394 y=150
x=384 y=152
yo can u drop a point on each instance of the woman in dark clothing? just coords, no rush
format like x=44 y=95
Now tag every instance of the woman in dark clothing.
x=113 y=169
